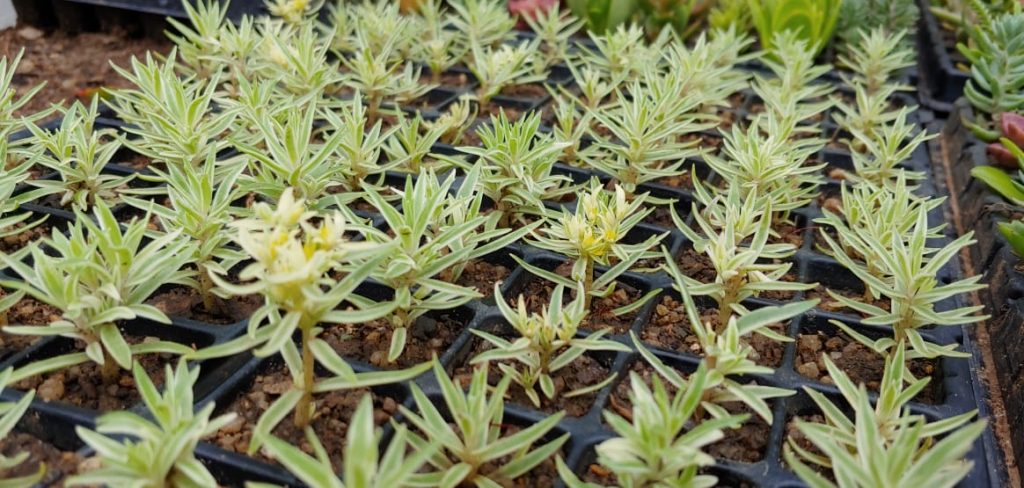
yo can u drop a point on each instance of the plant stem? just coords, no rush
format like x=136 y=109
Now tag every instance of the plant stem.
x=304 y=410
x=205 y=288
x=110 y=368
x=588 y=283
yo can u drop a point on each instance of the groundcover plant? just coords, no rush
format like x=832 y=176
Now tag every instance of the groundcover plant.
x=363 y=245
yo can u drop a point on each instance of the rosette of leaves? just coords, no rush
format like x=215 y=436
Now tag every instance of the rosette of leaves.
x=622 y=53
x=516 y=161
x=10 y=414
x=905 y=270
x=794 y=92
x=996 y=55
x=660 y=443
x=98 y=274
x=208 y=45
x=883 y=445
x=434 y=233
x=764 y=163
x=357 y=156
x=137 y=451
x=474 y=448
x=294 y=266
x=745 y=265
x=593 y=235
x=546 y=343
x=869 y=213
x=497 y=68
x=885 y=149
x=201 y=209
x=412 y=142
x=379 y=75
x=554 y=29
x=643 y=141
x=363 y=466
x=78 y=152
x=483 y=23
x=856 y=17
x=813 y=21
x=455 y=121
x=293 y=11
x=877 y=56
x=296 y=58
x=172 y=117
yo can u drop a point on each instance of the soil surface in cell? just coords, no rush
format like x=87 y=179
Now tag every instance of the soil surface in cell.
x=538 y=292
x=370 y=342
x=59 y=463
x=73 y=66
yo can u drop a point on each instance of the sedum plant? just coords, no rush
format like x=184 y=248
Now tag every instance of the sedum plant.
x=455 y=121
x=78 y=152
x=593 y=235
x=659 y=445
x=295 y=57
x=726 y=356
x=379 y=75
x=643 y=142
x=474 y=449
x=736 y=244
x=96 y=275
x=201 y=209
x=554 y=29
x=158 y=452
x=813 y=21
x=360 y=144
x=622 y=54
x=411 y=144
x=876 y=57
x=433 y=234
x=996 y=55
x=294 y=261
x=363 y=466
x=547 y=342
x=500 y=67
x=173 y=118
x=886 y=149
x=208 y=44
x=906 y=272
x=516 y=161
x=884 y=445
x=484 y=23
x=857 y=17
x=870 y=213
x=10 y=414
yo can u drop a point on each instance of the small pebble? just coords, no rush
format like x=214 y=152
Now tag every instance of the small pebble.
x=29 y=33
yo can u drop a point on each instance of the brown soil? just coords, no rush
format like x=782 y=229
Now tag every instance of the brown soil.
x=669 y=328
x=494 y=109
x=17 y=242
x=451 y=80
x=794 y=433
x=187 y=303
x=538 y=291
x=481 y=276
x=83 y=386
x=59 y=464
x=28 y=311
x=330 y=421
x=581 y=373
x=830 y=304
x=662 y=216
x=788 y=234
x=370 y=342
x=746 y=444
x=73 y=66
x=529 y=91
x=684 y=181
x=697 y=266
x=135 y=161
x=861 y=364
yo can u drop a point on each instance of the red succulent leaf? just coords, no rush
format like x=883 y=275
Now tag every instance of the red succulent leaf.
x=1002 y=156
x=1013 y=127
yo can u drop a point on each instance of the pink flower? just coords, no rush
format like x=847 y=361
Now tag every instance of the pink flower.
x=1013 y=127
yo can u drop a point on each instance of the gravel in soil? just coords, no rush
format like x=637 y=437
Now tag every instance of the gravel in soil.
x=369 y=342
x=529 y=91
x=538 y=291
x=82 y=385
x=584 y=371
x=481 y=276
x=861 y=364
x=14 y=243
x=187 y=303
x=669 y=328
x=746 y=444
x=330 y=420
x=27 y=311
x=72 y=66
x=59 y=463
